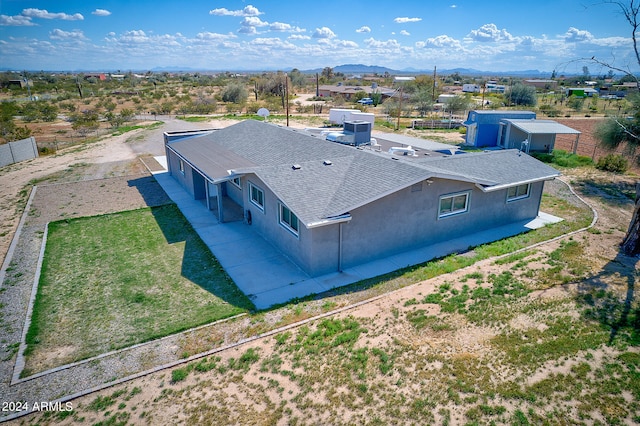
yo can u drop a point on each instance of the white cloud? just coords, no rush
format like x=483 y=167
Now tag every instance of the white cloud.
x=574 y=35
x=15 y=21
x=405 y=20
x=133 y=36
x=247 y=11
x=405 y=33
x=379 y=44
x=208 y=36
x=272 y=43
x=58 y=34
x=489 y=33
x=101 y=12
x=346 y=43
x=250 y=24
x=44 y=14
x=453 y=6
x=323 y=33
x=283 y=27
x=299 y=37
x=441 y=41
x=363 y=29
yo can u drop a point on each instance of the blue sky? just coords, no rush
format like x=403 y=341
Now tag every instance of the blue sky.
x=490 y=35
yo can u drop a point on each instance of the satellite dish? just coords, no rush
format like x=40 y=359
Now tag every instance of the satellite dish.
x=263 y=112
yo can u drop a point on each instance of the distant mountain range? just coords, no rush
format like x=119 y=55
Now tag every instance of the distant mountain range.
x=374 y=69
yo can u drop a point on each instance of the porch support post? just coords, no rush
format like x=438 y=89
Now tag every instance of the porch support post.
x=206 y=194
x=220 y=206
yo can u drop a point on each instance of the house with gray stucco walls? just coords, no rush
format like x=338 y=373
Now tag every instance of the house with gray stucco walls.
x=329 y=207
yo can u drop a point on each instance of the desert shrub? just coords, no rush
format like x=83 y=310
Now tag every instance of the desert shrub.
x=179 y=375
x=613 y=163
x=564 y=159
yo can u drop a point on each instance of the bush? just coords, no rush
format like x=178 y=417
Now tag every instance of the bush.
x=179 y=375
x=613 y=163
x=563 y=159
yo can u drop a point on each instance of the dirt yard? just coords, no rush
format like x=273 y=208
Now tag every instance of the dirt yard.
x=272 y=380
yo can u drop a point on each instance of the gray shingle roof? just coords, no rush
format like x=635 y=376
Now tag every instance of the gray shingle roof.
x=491 y=168
x=354 y=178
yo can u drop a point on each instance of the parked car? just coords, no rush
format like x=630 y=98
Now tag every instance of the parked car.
x=366 y=101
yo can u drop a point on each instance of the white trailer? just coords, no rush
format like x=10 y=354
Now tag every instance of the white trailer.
x=340 y=115
x=471 y=88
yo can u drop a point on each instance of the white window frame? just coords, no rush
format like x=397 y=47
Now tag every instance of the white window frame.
x=287 y=225
x=181 y=165
x=256 y=202
x=466 y=194
x=517 y=195
x=237 y=184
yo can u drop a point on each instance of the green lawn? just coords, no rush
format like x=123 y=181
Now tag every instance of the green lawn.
x=111 y=281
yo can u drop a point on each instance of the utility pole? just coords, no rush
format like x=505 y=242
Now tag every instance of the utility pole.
x=399 y=109
x=433 y=93
x=26 y=80
x=286 y=95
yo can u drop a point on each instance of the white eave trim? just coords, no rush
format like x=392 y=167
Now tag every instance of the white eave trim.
x=330 y=221
x=509 y=185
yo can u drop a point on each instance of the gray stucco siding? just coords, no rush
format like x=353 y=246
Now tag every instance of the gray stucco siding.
x=539 y=142
x=266 y=222
x=235 y=193
x=184 y=179
x=403 y=220
x=406 y=220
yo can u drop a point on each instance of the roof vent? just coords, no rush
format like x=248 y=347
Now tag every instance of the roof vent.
x=327 y=162
x=296 y=167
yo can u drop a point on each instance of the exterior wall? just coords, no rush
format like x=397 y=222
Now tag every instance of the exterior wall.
x=186 y=179
x=266 y=223
x=538 y=143
x=408 y=220
x=13 y=152
x=236 y=193
x=488 y=125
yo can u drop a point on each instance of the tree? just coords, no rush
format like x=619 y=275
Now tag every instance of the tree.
x=519 y=94
x=458 y=103
x=327 y=74
x=423 y=101
x=618 y=130
x=235 y=93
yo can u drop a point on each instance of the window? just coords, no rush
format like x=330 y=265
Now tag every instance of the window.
x=181 y=166
x=288 y=219
x=518 y=192
x=257 y=196
x=453 y=204
x=236 y=182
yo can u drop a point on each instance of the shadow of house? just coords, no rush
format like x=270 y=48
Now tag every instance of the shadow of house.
x=198 y=264
x=621 y=315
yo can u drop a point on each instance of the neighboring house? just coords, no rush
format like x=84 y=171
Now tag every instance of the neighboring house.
x=581 y=92
x=541 y=84
x=483 y=126
x=348 y=91
x=533 y=135
x=329 y=207
x=514 y=130
x=495 y=88
x=98 y=76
